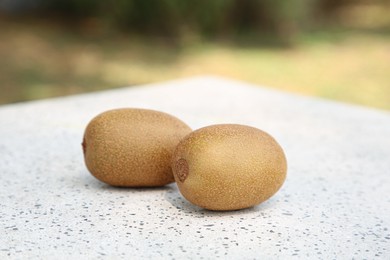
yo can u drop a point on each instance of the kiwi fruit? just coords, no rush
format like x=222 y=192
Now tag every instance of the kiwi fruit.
x=228 y=167
x=132 y=147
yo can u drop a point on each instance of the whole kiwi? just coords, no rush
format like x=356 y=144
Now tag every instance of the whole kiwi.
x=132 y=147
x=228 y=167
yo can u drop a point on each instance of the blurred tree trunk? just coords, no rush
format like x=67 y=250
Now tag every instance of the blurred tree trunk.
x=330 y=6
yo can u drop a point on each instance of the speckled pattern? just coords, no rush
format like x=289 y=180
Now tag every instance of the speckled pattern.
x=335 y=203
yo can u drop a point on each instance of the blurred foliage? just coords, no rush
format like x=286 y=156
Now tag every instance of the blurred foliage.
x=45 y=59
x=217 y=18
x=337 y=49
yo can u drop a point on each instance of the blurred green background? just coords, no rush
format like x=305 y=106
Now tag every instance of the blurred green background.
x=337 y=49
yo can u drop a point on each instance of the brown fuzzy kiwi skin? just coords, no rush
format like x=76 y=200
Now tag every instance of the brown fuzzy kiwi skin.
x=131 y=147
x=228 y=167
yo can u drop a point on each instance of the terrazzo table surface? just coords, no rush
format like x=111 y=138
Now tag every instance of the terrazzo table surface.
x=335 y=203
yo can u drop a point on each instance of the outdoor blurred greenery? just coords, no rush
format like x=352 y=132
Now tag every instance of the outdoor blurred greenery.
x=337 y=49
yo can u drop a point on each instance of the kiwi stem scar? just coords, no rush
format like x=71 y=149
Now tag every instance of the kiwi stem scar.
x=181 y=169
x=84 y=145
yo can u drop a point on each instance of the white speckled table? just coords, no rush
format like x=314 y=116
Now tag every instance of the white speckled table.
x=335 y=203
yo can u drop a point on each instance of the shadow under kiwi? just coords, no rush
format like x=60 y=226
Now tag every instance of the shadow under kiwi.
x=174 y=197
x=89 y=181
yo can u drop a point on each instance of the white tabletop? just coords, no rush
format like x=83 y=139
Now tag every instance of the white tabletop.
x=335 y=203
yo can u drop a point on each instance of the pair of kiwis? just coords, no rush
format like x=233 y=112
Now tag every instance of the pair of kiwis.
x=219 y=167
